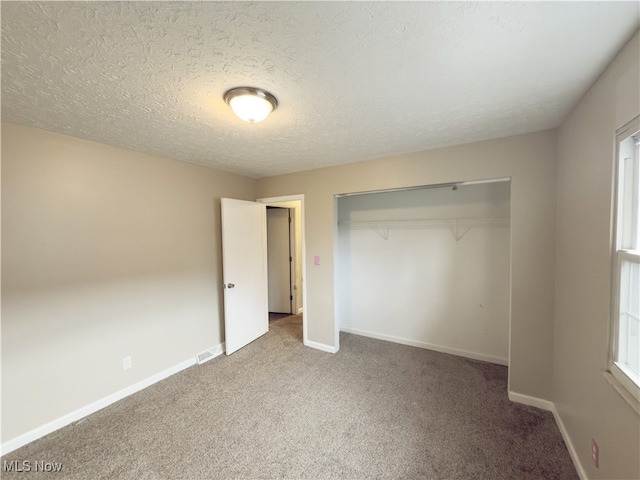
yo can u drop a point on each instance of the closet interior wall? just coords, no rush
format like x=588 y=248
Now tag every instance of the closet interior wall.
x=428 y=267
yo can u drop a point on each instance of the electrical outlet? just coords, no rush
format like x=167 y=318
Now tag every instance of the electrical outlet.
x=595 y=453
x=126 y=363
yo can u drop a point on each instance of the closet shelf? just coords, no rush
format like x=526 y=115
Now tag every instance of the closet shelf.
x=459 y=225
x=425 y=221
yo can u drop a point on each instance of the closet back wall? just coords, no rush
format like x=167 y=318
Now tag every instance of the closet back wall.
x=410 y=273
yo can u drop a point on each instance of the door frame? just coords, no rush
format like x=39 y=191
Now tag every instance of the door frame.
x=274 y=201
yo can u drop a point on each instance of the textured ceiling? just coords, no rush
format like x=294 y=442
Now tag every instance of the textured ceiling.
x=354 y=81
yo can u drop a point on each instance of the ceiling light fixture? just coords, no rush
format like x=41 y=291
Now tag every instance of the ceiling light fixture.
x=250 y=104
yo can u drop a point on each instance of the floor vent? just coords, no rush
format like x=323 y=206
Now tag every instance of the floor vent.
x=208 y=354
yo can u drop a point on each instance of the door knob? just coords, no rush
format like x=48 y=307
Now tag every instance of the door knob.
x=231 y=285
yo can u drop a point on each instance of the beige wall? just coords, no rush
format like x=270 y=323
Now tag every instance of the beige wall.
x=105 y=253
x=588 y=405
x=530 y=162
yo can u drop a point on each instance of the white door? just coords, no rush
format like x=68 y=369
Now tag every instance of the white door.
x=244 y=272
x=279 y=260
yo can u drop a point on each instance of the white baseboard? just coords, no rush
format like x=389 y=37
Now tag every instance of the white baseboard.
x=570 y=446
x=320 y=346
x=39 y=432
x=531 y=401
x=551 y=407
x=300 y=310
x=429 y=346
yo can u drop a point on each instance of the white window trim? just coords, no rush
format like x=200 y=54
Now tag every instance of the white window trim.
x=615 y=373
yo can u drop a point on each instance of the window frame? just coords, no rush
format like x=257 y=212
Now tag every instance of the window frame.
x=615 y=372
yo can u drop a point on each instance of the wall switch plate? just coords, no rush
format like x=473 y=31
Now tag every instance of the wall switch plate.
x=126 y=363
x=595 y=453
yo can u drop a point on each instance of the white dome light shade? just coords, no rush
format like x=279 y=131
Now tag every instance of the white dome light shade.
x=250 y=104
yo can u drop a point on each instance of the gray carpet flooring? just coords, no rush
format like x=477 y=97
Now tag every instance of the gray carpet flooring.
x=279 y=410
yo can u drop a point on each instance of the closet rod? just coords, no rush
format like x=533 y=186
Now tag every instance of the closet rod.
x=426 y=187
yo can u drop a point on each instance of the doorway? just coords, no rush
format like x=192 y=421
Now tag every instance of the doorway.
x=280 y=264
x=287 y=293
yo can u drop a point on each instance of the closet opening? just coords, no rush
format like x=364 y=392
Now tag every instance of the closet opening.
x=428 y=267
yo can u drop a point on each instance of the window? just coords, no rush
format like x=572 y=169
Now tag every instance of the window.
x=624 y=364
